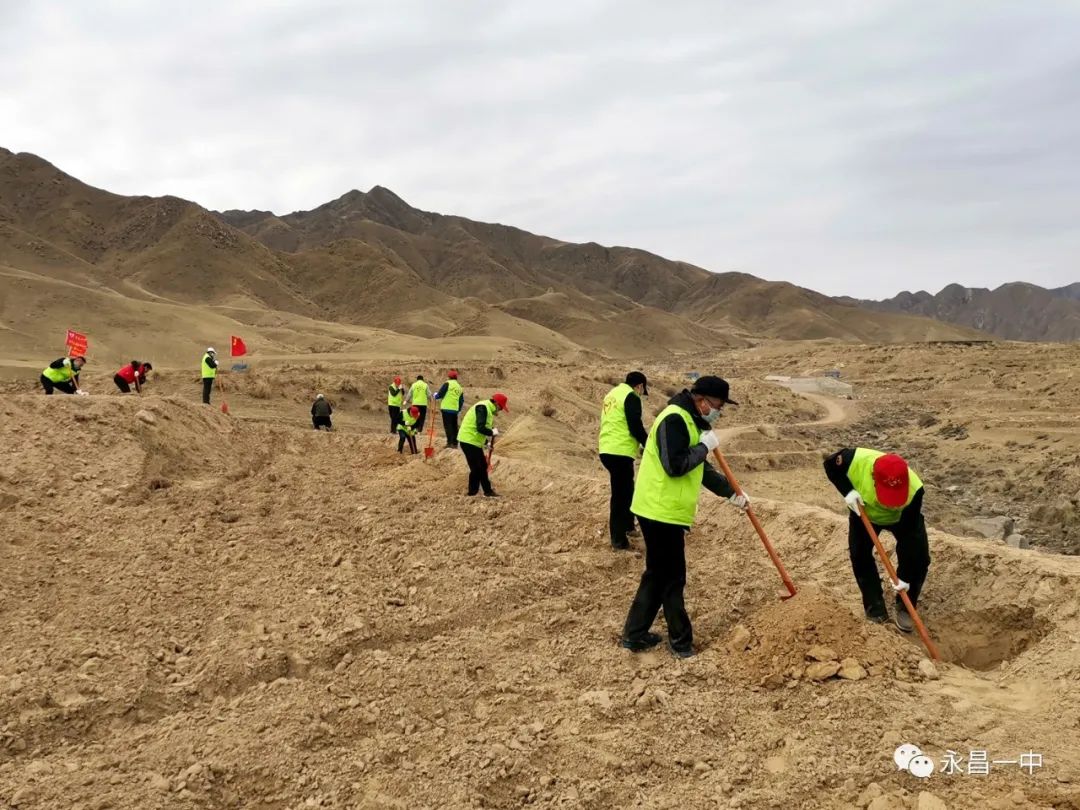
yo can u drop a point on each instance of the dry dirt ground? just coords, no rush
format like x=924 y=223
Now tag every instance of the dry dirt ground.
x=208 y=610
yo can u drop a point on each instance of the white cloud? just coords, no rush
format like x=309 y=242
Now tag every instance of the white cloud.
x=855 y=148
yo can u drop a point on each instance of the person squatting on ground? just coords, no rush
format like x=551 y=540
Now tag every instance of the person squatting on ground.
x=209 y=373
x=320 y=413
x=622 y=435
x=395 y=398
x=63 y=375
x=673 y=470
x=892 y=495
x=406 y=429
x=451 y=397
x=477 y=427
x=134 y=373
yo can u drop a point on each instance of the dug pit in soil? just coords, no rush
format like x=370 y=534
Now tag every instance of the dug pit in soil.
x=985 y=639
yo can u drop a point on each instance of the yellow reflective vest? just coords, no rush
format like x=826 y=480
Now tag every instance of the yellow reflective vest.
x=659 y=496
x=861 y=476
x=615 y=436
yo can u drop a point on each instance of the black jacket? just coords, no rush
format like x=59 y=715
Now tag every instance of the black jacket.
x=632 y=409
x=836 y=468
x=321 y=407
x=481 y=417
x=678 y=457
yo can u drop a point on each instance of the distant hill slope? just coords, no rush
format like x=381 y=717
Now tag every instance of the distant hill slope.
x=1017 y=311
x=74 y=255
x=499 y=264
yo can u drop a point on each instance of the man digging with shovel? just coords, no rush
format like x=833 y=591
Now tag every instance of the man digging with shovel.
x=673 y=471
x=892 y=495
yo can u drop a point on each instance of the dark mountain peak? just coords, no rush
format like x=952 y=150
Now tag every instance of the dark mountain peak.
x=1017 y=310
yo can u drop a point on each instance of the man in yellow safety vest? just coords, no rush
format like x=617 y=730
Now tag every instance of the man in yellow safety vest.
x=673 y=471
x=478 y=427
x=418 y=396
x=622 y=435
x=209 y=373
x=63 y=375
x=395 y=398
x=451 y=396
x=892 y=495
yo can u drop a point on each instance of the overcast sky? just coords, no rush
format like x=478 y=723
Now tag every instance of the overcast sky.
x=856 y=148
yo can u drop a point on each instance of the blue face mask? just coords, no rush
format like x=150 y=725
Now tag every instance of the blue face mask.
x=713 y=416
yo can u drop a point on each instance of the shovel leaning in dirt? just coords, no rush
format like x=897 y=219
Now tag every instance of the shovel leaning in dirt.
x=757 y=526
x=224 y=402
x=429 y=451
x=914 y=614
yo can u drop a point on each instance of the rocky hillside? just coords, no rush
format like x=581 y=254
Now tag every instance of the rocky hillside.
x=1017 y=311
x=168 y=275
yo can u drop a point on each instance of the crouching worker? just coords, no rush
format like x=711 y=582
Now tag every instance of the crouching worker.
x=407 y=429
x=134 y=373
x=892 y=495
x=320 y=413
x=63 y=375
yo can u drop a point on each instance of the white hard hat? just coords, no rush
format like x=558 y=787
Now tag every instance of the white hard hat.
x=319 y=396
x=210 y=350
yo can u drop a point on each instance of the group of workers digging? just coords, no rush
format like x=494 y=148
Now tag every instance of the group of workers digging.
x=674 y=467
x=663 y=502
x=407 y=408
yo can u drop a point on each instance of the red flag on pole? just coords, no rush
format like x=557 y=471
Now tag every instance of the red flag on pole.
x=76 y=344
x=238 y=347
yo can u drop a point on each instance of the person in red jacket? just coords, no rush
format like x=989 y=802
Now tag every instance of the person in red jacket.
x=134 y=373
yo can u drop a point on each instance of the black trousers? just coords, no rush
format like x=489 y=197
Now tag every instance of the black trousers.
x=207 y=387
x=620 y=519
x=395 y=417
x=661 y=585
x=402 y=438
x=478 y=475
x=62 y=387
x=322 y=421
x=421 y=418
x=122 y=384
x=912 y=556
x=449 y=423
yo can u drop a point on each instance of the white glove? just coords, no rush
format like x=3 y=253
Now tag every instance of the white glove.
x=900 y=585
x=740 y=501
x=82 y=392
x=708 y=438
x=854 y=500
x=494 y=431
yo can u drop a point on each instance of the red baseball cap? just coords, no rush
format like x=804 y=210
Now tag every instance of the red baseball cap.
x=397 y=380
x=414 y=411
x=891 y=481
x=452 y=374
x=500 y=400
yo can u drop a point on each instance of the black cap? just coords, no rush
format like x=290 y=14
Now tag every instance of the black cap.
x=715 y=387
x=637 y=378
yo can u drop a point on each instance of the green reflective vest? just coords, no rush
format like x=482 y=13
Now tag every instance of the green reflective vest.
x=395 y=396
x=406 y=424
x=59 y=375
x=615 y=436
x=468 y=432
x=418 y=393
x=861 y=476
x=208 y=371
x=659 y=496
x=452 y=400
